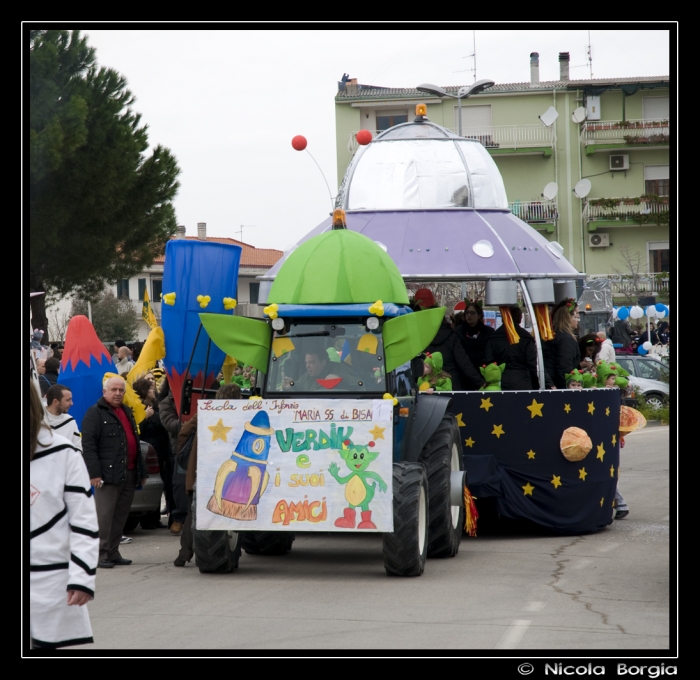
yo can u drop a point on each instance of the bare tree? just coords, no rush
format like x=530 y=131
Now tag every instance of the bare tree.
x=58 y=323
x=633 y=275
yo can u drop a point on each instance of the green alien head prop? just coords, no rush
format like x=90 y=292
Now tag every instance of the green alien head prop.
x=574 y=377
x=604 y=371
x=357 y=456
x=492 y=373
x=435 y=361
x=589 y=380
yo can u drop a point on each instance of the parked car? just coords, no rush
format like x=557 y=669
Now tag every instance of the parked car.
x=646 y=376
x=146 y=503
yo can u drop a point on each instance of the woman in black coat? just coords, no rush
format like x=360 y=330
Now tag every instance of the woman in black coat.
x=153 y=432
x=474 y=334
x=562 y=355
x=520 y=359
x=455 y=360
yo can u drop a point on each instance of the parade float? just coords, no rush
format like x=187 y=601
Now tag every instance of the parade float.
x=354 y=445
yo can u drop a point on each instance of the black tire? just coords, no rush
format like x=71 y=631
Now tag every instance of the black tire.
x=441 y=456
x=406 y=548
x=267 y=543
x=215 y=552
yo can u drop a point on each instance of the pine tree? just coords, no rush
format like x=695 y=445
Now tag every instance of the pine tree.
x=99 y=208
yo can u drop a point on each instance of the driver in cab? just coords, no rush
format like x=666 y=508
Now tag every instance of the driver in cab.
x=318 y=375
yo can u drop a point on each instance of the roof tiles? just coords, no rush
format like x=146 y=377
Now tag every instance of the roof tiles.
x=263 y=258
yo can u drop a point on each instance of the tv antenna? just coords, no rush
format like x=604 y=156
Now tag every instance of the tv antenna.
x=590 y=55
x=244 y=226
x=471 y=56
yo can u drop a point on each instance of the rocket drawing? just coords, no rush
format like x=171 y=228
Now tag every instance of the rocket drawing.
x=242 y=479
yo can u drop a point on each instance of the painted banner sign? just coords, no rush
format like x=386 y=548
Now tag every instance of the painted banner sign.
x=304 y=465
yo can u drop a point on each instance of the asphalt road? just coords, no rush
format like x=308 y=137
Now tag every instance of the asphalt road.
x=508 y=589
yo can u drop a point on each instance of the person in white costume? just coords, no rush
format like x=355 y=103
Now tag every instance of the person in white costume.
x=64 y=539
x=58 y=400
x=607 y=351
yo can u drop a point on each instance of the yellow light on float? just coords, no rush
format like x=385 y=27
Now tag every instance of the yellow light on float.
x=421 y=110
x=339 y=219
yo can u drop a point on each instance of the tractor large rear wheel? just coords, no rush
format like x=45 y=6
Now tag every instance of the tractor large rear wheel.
x=405 y=549
x=442 y=456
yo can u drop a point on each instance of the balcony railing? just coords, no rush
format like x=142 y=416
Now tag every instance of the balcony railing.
x=544 y=212
x=640 y=210
x=625 y=284
x=630 y=132
x=493 y=137
x=138 y=307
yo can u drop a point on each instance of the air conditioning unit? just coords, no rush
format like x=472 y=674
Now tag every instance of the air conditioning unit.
x=619 y=161
x=598 y=240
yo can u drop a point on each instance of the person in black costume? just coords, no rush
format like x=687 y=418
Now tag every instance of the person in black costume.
x=474 y=334
x=455 y=359
x=562 y=355
x=153 y=432
x=520 y=359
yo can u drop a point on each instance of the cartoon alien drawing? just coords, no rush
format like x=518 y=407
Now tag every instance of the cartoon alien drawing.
x=359 y=491
x=242 y=479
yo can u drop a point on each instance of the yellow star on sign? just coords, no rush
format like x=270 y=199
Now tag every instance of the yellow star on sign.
x=602 y=500
x=469 y=442
x=614 y=439
x=498 y=430
x=601 y=452
x=535 y=408
x=460 y=422
x=528 y=489
x=377 y=432
x=582 y=474
x=486 y=404
x=219 y=431
x=531 y=454
x=556 y=481
x=591 y=408
x=607 y=410
x=612 y=470
x=567 y=407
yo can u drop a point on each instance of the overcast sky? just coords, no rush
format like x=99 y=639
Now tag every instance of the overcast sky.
x=228 y=102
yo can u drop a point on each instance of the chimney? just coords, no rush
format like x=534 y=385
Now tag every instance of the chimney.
x=563 y=66
x=534 y=68
x=351 y=86
x=202 y=231
x=180 y=231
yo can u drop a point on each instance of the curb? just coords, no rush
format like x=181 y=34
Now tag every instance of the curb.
x=654 y=423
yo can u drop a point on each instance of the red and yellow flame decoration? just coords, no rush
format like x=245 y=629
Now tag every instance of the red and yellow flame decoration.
x=544 y=322
x=513 y=337
x=471 y=514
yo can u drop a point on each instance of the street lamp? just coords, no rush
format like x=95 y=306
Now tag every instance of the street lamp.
x=462 y=93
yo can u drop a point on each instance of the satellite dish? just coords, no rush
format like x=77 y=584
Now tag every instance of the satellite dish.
x=549 y=116
x=550 y=191
x=582 y=188
x=579 y=115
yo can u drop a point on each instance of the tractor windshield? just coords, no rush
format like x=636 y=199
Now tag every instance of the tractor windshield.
x=338 y=357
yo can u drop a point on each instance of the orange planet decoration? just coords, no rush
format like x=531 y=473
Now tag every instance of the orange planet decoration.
x=575 y=443
x=631 y=419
